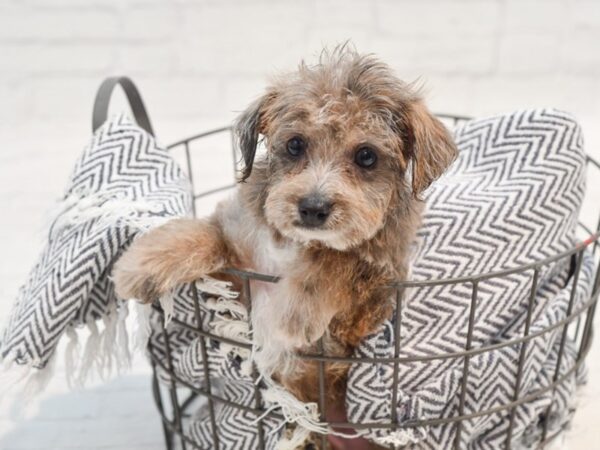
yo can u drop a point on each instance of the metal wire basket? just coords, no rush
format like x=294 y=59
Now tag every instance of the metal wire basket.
x=174 y=398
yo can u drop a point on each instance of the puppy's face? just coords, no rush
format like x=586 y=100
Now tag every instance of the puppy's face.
x=340 y=138
x=334 y=170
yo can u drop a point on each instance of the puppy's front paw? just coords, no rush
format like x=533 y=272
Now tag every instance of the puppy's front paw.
x=180 y=251
x=135 y=275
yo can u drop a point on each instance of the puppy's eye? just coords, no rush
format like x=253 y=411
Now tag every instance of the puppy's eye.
x=296 y=146
x=365 y=157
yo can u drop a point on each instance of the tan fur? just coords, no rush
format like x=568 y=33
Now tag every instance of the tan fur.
x=336 y=279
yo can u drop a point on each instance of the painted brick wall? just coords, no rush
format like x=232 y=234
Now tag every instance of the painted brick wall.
x=206 y=59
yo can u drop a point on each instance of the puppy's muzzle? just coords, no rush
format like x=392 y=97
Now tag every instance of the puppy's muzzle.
x=313 y=211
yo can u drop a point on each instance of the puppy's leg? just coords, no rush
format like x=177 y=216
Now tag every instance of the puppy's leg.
x=178 y=252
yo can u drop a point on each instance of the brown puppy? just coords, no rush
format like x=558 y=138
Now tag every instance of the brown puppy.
x=332 y=207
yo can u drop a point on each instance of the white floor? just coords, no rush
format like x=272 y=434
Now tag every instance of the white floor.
x=120 y=414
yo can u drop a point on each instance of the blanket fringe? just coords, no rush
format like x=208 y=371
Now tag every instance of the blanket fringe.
x=108 y=348
x=142 y=329
x=167 y=303
x=231 y=320
x=108 y=339
x=230 y=317
x=90 y=353
x=107 y=208
x=105 y=352
x=304 y=415
x=222 y=289
x=400 y=438
x=124 y=356
x=72 y=355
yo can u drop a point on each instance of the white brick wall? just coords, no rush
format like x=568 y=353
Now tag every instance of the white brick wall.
x=198 y=62
x=512 y=52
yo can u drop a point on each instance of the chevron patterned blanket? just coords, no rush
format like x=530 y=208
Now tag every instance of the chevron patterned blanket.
x=512 y=198
x=122 y=184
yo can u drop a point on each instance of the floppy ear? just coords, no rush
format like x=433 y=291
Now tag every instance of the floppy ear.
x=248 y=127
x=431 y=147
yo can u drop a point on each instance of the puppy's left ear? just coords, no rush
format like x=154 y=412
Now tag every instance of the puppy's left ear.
x=431 y=148
x=248 y=126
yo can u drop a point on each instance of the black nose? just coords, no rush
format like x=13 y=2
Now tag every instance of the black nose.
x=314 y=211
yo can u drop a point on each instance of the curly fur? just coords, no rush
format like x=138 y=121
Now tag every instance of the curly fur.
x=336 y=279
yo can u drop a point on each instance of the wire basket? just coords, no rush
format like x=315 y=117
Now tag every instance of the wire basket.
x=174 y=399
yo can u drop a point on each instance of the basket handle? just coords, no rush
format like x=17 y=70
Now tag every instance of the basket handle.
x=136 y=103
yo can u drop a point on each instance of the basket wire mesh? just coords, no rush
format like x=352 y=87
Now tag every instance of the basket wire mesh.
x=174 y=399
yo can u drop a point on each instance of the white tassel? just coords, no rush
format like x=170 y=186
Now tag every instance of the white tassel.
x=72 y=354
x=231 y=328
x=142 y=326
x=108 y=339
x=399 y=438
x=90 y=353
x=293 y=410
x=107 y=209
x=216 y=287
x=167 y=303
x=123 y=352
x=231 y=320
x=227 y=306
x=304 y=415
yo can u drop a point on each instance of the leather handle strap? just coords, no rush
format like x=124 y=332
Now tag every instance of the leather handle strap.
x=136 y=103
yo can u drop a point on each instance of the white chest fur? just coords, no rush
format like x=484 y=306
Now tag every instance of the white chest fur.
x=275 y=306
x=272 y=303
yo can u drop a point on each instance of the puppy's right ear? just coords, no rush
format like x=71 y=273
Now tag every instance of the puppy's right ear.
x=248 y=126
x=431 y=147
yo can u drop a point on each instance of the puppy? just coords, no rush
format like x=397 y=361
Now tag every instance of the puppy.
x=332 y=206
